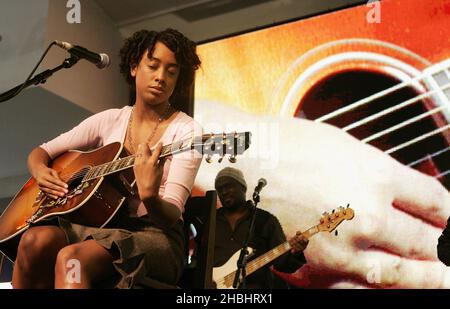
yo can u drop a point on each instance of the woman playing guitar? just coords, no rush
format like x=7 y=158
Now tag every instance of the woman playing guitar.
x=147 y=236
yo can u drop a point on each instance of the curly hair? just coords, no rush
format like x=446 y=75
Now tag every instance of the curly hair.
x=185 y=53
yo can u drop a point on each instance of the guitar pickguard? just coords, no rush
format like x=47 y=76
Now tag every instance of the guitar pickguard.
x=48 y=203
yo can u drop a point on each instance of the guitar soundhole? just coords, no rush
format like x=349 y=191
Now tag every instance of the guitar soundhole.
x=76 y=178
x=344 y=88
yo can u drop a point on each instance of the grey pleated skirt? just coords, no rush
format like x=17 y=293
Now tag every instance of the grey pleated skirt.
x=140 y=248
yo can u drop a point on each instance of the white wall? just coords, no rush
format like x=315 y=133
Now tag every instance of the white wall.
x=22 y=28
x=84 y=84
x=41 y=113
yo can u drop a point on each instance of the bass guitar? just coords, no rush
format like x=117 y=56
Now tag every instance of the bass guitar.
x=223 y=276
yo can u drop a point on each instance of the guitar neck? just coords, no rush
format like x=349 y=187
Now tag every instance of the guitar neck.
x=127 y=162
x=231 y=144
x=276 y=252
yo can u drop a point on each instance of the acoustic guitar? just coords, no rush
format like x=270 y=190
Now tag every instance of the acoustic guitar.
x=223 y=276
x=99 y=182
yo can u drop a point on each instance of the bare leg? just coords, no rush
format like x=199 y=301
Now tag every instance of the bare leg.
x=82 y=264
x=36 y=256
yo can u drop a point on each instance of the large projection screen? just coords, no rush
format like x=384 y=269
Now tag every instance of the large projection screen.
x=346 y=108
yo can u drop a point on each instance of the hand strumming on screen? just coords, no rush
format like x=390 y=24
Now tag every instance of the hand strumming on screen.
x=311 y=168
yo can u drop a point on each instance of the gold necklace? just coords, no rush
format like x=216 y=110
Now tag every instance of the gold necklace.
x=130 y=123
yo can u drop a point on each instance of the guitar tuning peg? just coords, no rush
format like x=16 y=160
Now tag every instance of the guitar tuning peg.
x=232 y=159
x=348 y=205
x=208 y=159
x=336 y=233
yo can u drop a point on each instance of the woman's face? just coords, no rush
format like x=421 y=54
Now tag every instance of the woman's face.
x=156 y=76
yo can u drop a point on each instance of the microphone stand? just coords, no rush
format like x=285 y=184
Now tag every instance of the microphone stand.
x=242 y=262
x=38 y=79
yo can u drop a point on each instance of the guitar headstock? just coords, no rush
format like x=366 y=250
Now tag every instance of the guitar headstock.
x=329 y=221
x=225 y=144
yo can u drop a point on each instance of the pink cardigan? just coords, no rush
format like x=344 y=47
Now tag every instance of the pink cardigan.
x=111 y=125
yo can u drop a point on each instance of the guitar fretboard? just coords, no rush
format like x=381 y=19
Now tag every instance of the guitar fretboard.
x=276 y=252
x=221 y=144
x=127 y=162
x=268 y=257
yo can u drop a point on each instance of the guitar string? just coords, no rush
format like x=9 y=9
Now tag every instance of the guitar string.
x=407 y=122
x=375 y=96
x=429 y=156
x=417 y=139
x=442 y=174
x=401 y=105
x=195 y=142
x=403 y=124
x=275 y=252
x=272 y=254
x=278 y=251
x=399 y=125
x=392 y=109
x=82 y=174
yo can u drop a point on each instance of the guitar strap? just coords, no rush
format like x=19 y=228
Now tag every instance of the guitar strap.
x=261 y=219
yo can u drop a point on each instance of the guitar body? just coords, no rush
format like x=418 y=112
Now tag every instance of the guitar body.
x=223 y=276
x=93 y=204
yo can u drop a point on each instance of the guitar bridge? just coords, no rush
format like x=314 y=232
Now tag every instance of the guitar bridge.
x=63 y=200
x=35 y=216
x=39 y=198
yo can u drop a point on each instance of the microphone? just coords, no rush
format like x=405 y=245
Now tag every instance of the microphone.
x=261 y=184
x=100 y=60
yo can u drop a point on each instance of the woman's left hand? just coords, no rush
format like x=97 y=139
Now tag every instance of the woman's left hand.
x=148 y=170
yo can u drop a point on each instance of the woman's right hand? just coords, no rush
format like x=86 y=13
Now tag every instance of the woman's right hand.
x=49 y=182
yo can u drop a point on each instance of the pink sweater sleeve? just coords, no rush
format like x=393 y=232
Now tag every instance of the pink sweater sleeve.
x=110 y=126
x=85 y=136
x=183 y=168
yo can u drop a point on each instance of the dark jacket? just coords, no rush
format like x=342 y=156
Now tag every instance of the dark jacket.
x=443 y=247
x=267 y=235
